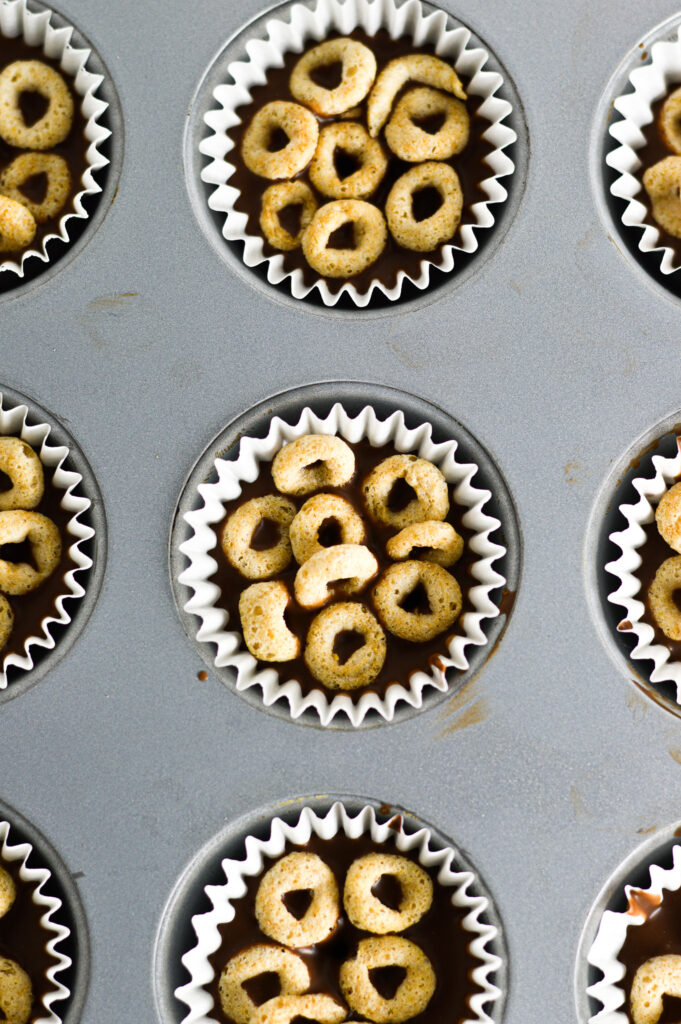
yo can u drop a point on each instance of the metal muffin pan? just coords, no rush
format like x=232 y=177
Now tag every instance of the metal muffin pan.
x=548 y=767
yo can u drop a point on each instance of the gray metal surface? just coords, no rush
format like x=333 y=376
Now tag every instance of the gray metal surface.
x=551 y=766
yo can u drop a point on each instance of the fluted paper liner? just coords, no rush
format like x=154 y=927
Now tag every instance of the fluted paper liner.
x=16 y=19
x=14 y=422
x=337 y=820
x=650 y=83
x=650 y=489
x=305 y=27
x=215 y=627
x=55 y=933
x=610 y=938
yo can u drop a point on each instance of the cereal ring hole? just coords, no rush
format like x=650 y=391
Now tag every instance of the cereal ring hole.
x=389 y=891
x=401 y=495
x=387 y=980
x=18 y=554
x=425 y=203
x=329 y=76
x=343 y=237
x=416 y=601
x=330 y=533
x=345 y=164
x=431 y=124
x=262 y=987
x=347 y=642
x=298 y=902
x=278 y=140
x=266 y=535
x=5 y=482
x=291 y=217
x=33 y=106
x=35 y=187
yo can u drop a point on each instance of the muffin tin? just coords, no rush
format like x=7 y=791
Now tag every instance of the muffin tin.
x=549 y=766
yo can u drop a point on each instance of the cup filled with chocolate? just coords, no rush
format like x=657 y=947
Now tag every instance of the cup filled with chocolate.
x=358 y=149
x=339 y=916
x=51 y=138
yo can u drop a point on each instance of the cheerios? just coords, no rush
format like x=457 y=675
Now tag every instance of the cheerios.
x=667 y=516
x=17 y=526
x=299 y=126
x=348 y=566
x=442 y=592
x=670 y=121
x=16 y=993
x=352 y=139
x=55 y=124
x=365 y=662
x=278 y=197
x=414 y=67
x=357 y=75
x=370 y=236
x=438 y=542
x=285 y=1009
x=291 y=970
x=6 y=621
x=25 y=166
x=367 y=912
x=410 y=141
x=656 y=978
x=311 y=462
x=662 y=182
x=8 y=889
x=413 y=993
x=261 y=610
x=20 y=463
x=426 y=234
x=295 y=872
x=661 y=597
x=320 y=513
x=270 y=517
x=17 y=225
x=430 y=498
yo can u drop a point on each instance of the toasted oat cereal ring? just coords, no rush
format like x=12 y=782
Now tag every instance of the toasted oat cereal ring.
x=348 y=566
x=662 y=182
x=291 y=970
x=413 y=67
x=16 y=994
x=6 y=623
x=8 y=889
x=320 y=513
x=370 y=236
x=668 y=517
x=357 y=76
x=25 y=166
x=285 y=1009
x=670 y=121
x=298 y=871
x=55 y=124
x=17 y=526
x=409 y=141
x=365 y=662
x=298 y=124
x=430 y=500
x=367 y=912
x=412 y=995
x=22 y=465
x=658 y=977
x=261 y=609
x=661 y=597
x=354 y=140
x=424 y=235
x=277 y=198
x=240 y=541
x=444 y=545
x=311 y=462
x=17 y=225
x=398 y=581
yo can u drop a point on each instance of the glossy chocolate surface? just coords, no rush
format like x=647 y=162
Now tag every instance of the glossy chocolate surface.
x=403 y=657
x=439 y=933
x=470 y=166
x=72 y=149
x=660 y=933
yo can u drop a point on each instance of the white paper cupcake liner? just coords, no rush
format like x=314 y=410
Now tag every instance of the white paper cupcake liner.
x=16 y=19
x=650 y=83
x=55 y=933
x=665 y=473
x=215 y=627
x=337 y=820
x=14 y=421
x=610 y=938
x=306 y=26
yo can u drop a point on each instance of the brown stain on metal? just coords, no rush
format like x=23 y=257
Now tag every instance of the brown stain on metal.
x=571 y=471
x=474 y=714
x=111 y=302
x=675 y=754
x=642 y=904
x=202 y=675
x=677 y=833
x=506 y=604
x=646 y=831
x=385 y=808
x=396 y=823
x=624 y=626
x=578 y=805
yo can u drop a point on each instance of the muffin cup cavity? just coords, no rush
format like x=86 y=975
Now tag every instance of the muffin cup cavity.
x=17 y=19
x=337 y=820
x=305 y=26
x=20 y=421
x=217 y=630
